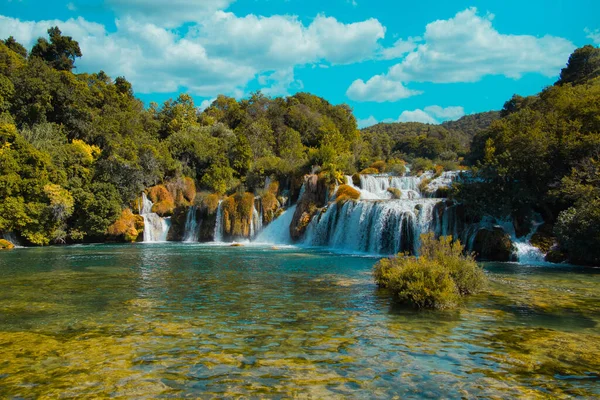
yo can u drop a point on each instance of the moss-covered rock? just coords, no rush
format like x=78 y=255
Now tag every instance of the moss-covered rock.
x=178 y=219
x=395 y=192
x=237 y=215
x=314 y=198
x=346 y=193
x=356 y=180
x=493 y=245
x=369 y=171
x=6 y=245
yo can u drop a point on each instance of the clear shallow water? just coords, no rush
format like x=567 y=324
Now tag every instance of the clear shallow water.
x=177 y=320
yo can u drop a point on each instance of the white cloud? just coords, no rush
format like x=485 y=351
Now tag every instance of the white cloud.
x=417 y=116
x=428 y=115
x=452 y=113
x=466 y=48
x=593 y=35
x=278 y=83
x=379 y=89
x=400 y=48
x=205 y=104
x=282 y=41
x=220 y=55
x=170 y=13
x=364 y=123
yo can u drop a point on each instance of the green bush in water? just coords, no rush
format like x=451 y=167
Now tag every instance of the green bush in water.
x=436 y=279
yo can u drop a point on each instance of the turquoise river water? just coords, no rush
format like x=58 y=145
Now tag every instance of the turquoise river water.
x=202 y=321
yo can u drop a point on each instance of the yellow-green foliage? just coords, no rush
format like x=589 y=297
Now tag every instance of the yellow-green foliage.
x=211 y=202
x=345 y=193
x=237 y=214
x=87 y=153
x=270 y=205
x=423 y=185
x=380 y=166
x=396 y=193
x=163 y=200
x=396 y=166
x=437 y=278
x=128 y=226
x=369 y=171
x=6 y=245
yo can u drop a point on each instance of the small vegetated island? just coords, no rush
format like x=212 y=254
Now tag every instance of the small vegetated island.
x=83 y=161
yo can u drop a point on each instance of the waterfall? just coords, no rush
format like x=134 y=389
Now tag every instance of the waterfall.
x=255 y=223
x=527 y=253
x=381 y=227
x=278 y=231
x=218 y=235
x=192 y=227
x=156 y=228
x=11 y=237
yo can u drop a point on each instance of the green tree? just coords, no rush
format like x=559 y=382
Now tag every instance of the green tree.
x=15 y=46
x=60 y=52
x=583 y=65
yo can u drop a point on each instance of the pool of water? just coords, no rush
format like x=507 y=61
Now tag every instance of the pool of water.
x=176 y=320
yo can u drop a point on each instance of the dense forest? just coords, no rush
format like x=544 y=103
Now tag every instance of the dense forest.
x=78 y=149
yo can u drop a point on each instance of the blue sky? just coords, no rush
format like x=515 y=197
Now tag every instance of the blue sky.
x=426 y=61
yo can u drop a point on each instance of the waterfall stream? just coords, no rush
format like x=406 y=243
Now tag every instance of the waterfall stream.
x=278 y=231
x=156 y=228
x=218 y=236
x=192 y=227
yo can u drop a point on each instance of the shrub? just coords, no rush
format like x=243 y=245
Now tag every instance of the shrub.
x=438 y=169
x=211 y=202
x=6 y=245
x=423 y=186
x=128 y=226
x=436 y=279
x=369 y=171
x=163 y=200
x=345 y=193
x=422 y=165
x=396 y=166
x=380 y=166
x=396 y=193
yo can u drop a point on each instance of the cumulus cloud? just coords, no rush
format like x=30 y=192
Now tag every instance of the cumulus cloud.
x=466 y=48
x=593 y=35
x=364 y=123
x=428 y=115
x=220 y=55
x=417 y=116
x=379 y=89
x=282 y=41
x=400 y=48
x=170 y=13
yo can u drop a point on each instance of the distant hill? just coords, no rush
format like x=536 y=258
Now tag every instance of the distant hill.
x=417 y=139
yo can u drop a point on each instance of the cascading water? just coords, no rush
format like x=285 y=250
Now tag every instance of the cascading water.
x=278 y=231
x=526 y=253
x=156 y=228
x=218 y=235
x=382 y=227
x=191 y=232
